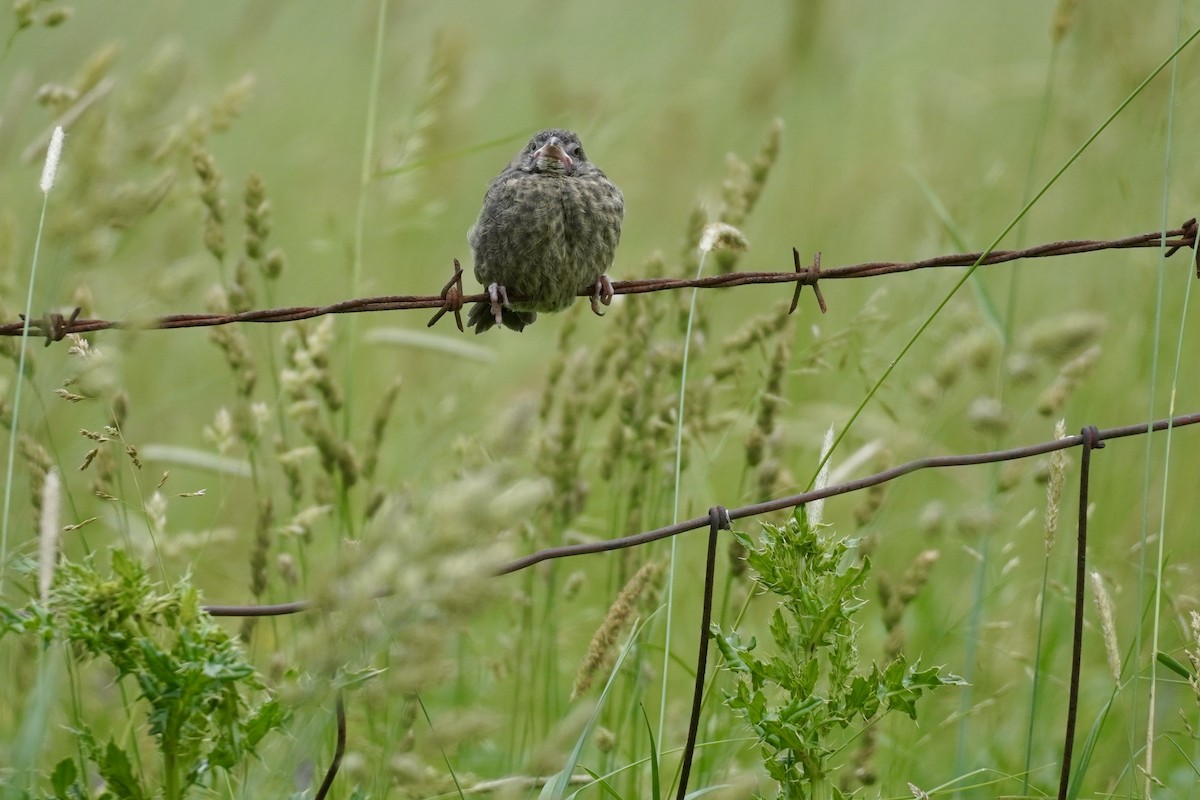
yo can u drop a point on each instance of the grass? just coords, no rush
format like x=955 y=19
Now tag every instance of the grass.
x=332 y=470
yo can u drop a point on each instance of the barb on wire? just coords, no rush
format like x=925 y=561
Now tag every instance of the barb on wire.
x=809 y=277
x=779 y=504
x=452 y=299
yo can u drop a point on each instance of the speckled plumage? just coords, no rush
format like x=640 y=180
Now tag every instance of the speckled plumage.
x=548 y=229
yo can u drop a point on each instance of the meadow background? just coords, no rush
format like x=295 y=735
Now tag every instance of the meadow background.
x=348 y=456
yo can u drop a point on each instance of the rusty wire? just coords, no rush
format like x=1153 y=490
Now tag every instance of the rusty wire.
x=54 y=326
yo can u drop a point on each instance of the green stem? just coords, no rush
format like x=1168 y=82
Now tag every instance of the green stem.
x=18 y=383
x=170 y=773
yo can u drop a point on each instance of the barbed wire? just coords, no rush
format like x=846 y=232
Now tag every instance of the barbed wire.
x=766 y=507
x=54 y=326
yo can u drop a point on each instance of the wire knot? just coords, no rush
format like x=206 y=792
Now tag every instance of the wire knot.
x=53 y=326
x=808 y=277
x=719 y=518
x=452 y=299
x=1091 y=437
x=1187 y=238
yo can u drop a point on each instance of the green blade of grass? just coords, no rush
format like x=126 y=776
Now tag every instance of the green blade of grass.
x=557 y=786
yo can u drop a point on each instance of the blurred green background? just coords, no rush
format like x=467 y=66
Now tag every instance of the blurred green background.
x=909 y=130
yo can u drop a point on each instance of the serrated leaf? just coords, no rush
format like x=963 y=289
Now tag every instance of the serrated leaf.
x=264 y=719
x=117 y=772
x=862 y=698
x=781 y=634
x=733 y=652
x=63 y=778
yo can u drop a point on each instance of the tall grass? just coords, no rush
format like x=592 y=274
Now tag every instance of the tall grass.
x=384 y=482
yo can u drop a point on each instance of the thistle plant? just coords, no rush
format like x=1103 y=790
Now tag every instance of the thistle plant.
x=206 y=706
x=799 y=699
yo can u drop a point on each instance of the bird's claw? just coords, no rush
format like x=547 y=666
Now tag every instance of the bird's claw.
x=603 y=294
x=498 y=296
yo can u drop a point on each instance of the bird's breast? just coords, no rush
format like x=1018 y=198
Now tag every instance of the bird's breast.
x=546 y=237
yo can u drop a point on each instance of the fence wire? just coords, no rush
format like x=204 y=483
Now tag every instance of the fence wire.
x=55 y=325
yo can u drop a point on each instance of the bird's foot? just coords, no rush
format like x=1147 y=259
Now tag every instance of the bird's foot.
x=603 y=294
x=498 y=296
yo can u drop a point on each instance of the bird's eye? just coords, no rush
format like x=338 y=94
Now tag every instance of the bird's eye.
x=575 y=151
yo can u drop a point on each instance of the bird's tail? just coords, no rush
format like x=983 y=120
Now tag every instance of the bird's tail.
x=481 y=318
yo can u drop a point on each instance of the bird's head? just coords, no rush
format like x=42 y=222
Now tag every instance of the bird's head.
x=553 y=151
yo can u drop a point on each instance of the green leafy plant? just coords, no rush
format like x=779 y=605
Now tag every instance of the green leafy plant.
x=207 y=708
x=811 y=687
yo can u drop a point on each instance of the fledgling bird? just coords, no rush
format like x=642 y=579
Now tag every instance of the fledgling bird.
x=548 y=229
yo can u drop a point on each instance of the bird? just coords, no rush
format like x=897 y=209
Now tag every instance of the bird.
x=548 y=229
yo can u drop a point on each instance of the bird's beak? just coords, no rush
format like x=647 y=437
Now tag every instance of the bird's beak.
x=551 y=151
